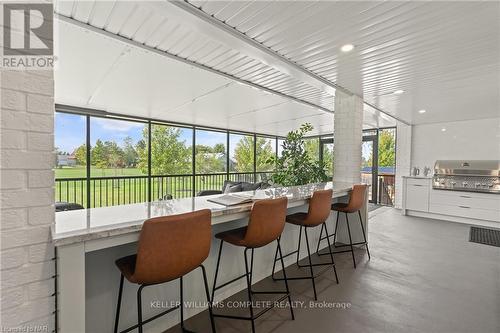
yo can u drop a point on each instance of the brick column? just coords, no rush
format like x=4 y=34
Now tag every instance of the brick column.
x=348 y=136
x=27 y=199
x=403 y=158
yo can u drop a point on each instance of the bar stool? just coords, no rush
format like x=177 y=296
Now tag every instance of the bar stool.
x=356 y=201
x=318 y=212
x=169 y=248
x=266 y=223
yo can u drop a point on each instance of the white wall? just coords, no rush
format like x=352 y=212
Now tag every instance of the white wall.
x=27 y=200
x=471 y=139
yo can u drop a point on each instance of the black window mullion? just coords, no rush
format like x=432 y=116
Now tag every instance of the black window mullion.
x=193 y=158
x=227 y=155
x=149 y=161
x=254 y=158
x=87 y=143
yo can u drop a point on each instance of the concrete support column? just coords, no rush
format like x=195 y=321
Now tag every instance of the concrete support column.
x=348 y=136
x=403 y=158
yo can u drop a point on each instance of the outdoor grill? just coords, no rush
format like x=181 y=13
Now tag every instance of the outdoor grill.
x=471 y=176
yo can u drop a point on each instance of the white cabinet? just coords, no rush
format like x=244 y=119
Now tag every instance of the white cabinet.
x=482 y=206
x=416 y=196
x=419 y=198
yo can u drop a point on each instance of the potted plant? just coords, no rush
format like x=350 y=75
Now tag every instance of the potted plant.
x=295 y=166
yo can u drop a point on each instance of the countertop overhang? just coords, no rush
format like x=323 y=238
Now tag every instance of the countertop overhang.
x=89 y=224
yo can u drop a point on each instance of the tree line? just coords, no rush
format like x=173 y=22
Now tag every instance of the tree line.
x=170 y=154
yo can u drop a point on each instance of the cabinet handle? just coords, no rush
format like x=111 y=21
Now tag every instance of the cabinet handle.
x=417 y=185
x=463 y=207
x=464 y=196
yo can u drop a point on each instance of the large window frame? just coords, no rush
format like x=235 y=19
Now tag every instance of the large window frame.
x=370 y=134
x=253 y=175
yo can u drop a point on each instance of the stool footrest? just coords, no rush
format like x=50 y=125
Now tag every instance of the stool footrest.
x=229 y=282
x=287 y=255
x=255 y=316
x=302 y=277
x=151 y=319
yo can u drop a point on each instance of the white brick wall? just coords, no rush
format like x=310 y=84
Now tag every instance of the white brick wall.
x=403 y=158
x=348 y=124
x=27 y=198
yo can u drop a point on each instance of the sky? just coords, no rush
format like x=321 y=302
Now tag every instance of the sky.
x=70 y=132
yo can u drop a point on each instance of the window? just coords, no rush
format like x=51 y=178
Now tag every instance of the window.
x=116 y=147
x=241 y=153
x=123 y=169
x=280 y=147
x=327 y=155
x=265 y=149
x=171 y=162
x=171 y=150
x=70 y=142
x=312 y=148
x=211 y=153
x=71 y=158
x=118 y=150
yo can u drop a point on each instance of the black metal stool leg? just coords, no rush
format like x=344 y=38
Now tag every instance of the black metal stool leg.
x=298 y=247
x=207 y=293
x=310 y=265
x=320 y=237
x=364 y=235
x=274 y=263
x=217 y=270
x=118 y=306
x=249 y=286
x=284 y=276
x=331 y=255
x=251 y=268
x=350 y=239
x=181 y=287
x=335 y=231
x=139 y=309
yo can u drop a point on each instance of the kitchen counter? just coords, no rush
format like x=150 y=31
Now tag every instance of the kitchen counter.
x=95 y=223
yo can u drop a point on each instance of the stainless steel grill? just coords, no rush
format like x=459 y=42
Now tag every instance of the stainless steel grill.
x=471 y=176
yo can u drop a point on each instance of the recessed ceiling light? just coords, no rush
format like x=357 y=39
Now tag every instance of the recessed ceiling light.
x=347 y=48
x=443 y=129
x=422 y=111
x=398 y=92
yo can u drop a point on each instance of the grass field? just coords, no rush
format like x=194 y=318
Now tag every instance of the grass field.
x=110 y=192
x=80 y=172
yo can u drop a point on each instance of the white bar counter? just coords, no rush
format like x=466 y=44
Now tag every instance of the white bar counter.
x=89 y=241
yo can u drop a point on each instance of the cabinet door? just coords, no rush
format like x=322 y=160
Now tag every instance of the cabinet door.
x=417 y=197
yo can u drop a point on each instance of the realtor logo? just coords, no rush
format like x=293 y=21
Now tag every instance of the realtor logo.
x=28 y=29
x=28 y=36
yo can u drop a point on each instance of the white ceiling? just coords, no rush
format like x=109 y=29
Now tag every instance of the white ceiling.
x=445 y=55
x=99 y=72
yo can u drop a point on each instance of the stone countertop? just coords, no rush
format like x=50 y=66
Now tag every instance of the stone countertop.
x=418 y=177
x=89 y=224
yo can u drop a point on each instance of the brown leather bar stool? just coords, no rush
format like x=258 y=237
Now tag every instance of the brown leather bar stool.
x=266 y=223
x=169 y=248
x=318 y=212
x=356 y=201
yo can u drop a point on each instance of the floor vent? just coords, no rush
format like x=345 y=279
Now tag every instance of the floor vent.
x=485 y=236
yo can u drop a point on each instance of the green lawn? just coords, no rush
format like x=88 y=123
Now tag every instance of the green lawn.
x=80 y=172
x=110 y=192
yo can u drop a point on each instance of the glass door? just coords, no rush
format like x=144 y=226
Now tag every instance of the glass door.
x=369 y=164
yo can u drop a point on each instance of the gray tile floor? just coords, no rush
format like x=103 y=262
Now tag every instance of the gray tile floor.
x=424 y=276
